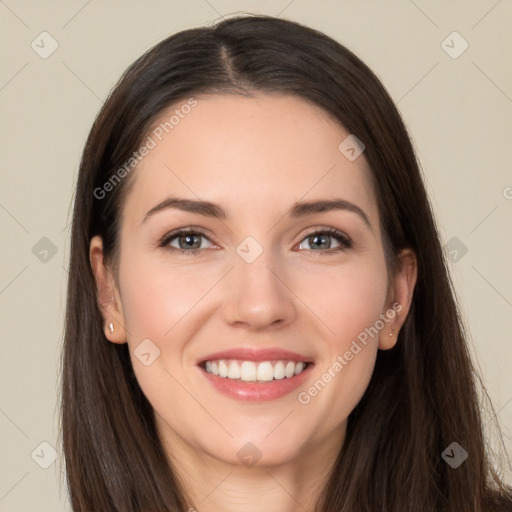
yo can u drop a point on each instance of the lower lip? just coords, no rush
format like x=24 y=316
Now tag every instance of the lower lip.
x=257 y=391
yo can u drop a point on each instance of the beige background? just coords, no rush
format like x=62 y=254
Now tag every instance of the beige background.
x=459 y=112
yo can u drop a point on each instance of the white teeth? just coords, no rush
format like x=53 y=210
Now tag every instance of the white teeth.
x=265 y=371
x=234 y=370
x=290 y=369
x=279 y=371
x=223 y=369
x=250 y=371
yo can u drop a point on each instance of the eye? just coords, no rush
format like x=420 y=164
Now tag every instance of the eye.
x=190 y=241
x=320 y=240
x=185 y=241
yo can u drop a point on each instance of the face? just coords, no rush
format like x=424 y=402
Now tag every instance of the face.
x=269 y=283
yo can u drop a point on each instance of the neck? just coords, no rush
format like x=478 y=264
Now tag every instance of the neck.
x=290 y=486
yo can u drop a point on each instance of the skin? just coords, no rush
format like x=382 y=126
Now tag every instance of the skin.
x=255 y=157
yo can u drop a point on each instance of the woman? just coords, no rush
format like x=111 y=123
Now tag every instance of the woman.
x=259 y=313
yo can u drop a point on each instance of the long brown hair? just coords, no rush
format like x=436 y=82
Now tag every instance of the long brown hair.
x=423 y=395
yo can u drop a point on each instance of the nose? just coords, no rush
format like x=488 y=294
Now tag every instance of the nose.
x=257 y=295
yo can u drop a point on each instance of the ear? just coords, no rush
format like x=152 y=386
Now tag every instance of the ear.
x=399 y=298
x=109 y=299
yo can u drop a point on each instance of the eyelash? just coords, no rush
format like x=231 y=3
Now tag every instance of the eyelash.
x=342 y=238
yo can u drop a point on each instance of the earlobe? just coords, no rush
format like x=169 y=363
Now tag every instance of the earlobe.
x=106 y=291
x=401 y=299
x=112 y=335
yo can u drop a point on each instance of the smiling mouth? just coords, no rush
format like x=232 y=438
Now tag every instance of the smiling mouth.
x=254 y=371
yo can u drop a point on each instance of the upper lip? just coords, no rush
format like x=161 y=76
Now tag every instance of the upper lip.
x=255 y=354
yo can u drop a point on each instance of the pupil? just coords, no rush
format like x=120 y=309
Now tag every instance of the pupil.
x=189 y=238
x=322 y=239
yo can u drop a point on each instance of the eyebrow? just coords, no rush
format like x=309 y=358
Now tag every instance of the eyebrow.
x=298 y=209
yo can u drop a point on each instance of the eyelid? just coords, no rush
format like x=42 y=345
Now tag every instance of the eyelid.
x=164 y=240
x=345 y=241
x=325 y=229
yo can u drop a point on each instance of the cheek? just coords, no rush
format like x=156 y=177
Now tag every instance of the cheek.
x=341 y=299
x=340 y=385
x=158 y=305
x=350 y=302
x=156 y=298
x=347 y=299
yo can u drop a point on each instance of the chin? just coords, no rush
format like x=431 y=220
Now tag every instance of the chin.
x=258 y=451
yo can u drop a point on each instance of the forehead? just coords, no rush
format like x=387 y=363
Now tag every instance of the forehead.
x=250 y=154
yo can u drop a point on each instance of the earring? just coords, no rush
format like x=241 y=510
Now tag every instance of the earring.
x=392 y=332
x=111 y=327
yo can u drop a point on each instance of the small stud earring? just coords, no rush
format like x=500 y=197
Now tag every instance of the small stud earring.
x=111 y=327
x=392 y=332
